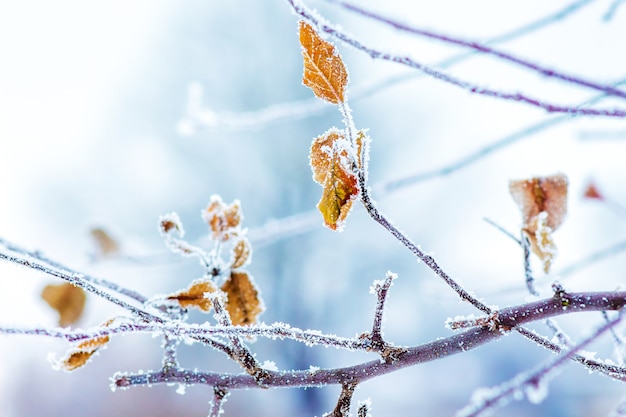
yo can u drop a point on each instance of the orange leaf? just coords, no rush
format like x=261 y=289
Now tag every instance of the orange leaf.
x=329 y=157
x=244 y=303
x=241 y=254
x=105 y=244
x=67 y=300
x=222 y=219
x=194 y=296
x=324 y=72
x=592 y=192
x=543 y=203
x=80 y=354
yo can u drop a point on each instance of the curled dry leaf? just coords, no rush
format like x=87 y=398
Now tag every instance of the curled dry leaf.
x=105 y=244
x=244 y=303
x=331 y=164
x=80 y=354
x=170 y=224
x=543 y=203
x=67 y=300
x=324 y=71
x=223 y=219
x=241 y=254
x=194 y=296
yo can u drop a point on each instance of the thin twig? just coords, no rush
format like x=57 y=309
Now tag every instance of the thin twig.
x=78 y=280
x=300 y=9
x=481 y=48
x=528 y=272
x=219 y=398
x=54 y=264
x=242 y=353
x=531 y=383
x=342 y=409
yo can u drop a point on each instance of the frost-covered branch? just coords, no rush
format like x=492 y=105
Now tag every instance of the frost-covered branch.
x=323 y=26
x=219 y=398
x=79 y=280
x=532 y=384
x=242 y=353
x=37 y=255
x=481 y=48
x=342 y=409
x=508 y=318
x=197 y=116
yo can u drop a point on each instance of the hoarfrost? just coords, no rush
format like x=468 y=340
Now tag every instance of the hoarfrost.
x=269 y=365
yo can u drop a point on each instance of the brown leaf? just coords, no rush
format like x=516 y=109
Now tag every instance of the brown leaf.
x=105 y=244
x=194 y=295
x=67 y=300
x=539 y=194
x=543 y=203
x=223 y=219
x=241 y=254
x=324 y=72
x=80 y=355
x=244 y=303
x=329 y=157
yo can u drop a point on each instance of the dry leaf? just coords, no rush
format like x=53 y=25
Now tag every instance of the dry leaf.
x=105 y=244
x=223 y=219
x=244 y=303
x=170 y=224
x=240 y=254
x=80 y=355
x=194 y=296
x=592 y=192
x=543 y=203
x=67 y=300
x=329 y=157
x=324 y=72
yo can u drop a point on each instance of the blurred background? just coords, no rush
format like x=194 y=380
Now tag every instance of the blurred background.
x=114 y=113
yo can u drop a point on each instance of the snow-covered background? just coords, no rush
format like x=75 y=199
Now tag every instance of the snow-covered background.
x=92 y=96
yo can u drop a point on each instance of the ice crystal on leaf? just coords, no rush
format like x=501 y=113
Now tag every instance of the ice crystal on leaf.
x=195 y=295
x=223 y=219
x=240 y=254
x=324 y=71
x=80 y=354
x=333 y=165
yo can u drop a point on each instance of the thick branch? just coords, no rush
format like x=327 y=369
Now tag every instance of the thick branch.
x=510 y=318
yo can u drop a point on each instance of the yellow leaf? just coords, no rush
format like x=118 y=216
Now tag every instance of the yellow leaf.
x=244 y=303
x=324 y=72
x=241 y=254
x=329 y=157
x=223 y=219
x=105 y=244
x=194 y=296
x=543 y=203
x=67 y=300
